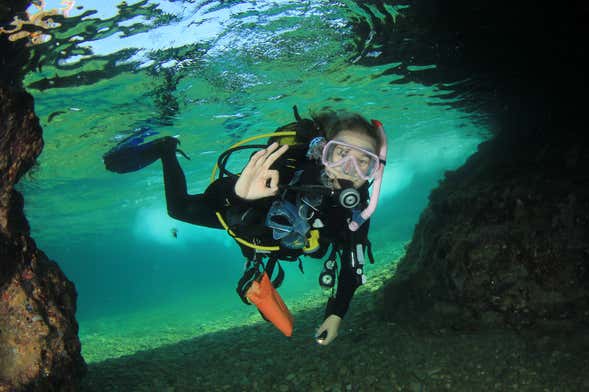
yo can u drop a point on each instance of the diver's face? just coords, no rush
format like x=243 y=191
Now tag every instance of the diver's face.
x=347 y=171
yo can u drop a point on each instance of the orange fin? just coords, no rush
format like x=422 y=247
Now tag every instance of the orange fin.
x=270 y=304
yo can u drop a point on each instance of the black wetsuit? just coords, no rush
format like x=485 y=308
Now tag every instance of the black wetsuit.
x=220 y=197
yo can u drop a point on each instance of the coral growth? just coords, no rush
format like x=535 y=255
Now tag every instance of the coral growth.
x=35 y=25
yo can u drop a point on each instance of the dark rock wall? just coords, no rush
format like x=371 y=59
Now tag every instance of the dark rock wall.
x=39 y=346
x=505 y=238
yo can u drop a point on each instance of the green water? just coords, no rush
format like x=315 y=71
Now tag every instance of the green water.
x=140 y=287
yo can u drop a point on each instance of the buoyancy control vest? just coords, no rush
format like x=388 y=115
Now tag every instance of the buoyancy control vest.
x=292 y=223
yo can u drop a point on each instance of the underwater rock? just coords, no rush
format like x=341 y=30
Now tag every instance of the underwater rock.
x=20 y=144
x=503 y=241
x=39 y=346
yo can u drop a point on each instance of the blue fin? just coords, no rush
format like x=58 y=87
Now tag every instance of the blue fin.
x=131 y=154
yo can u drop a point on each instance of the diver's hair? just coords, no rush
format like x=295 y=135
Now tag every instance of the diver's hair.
x=331 y=122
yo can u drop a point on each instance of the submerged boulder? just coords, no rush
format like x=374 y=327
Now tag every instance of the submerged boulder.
x=39 y=346
x=504 y=240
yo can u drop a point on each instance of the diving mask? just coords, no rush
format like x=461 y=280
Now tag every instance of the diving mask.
x=350 y=160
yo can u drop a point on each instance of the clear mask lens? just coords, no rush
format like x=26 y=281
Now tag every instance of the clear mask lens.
x=350 y=160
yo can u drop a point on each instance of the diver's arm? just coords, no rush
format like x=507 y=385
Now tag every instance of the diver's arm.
x=196 y=209
x=338 y=306
x=201 y=209
x=348 y=282
x=348 y=279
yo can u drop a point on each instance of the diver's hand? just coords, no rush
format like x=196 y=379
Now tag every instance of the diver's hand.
x=256 y=179
x=331 y=326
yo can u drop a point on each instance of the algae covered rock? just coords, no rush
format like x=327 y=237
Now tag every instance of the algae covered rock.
x=504 y=240
x=39 y=346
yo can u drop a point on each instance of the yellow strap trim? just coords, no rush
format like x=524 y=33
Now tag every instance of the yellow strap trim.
x=313 y=242
x=241 y=240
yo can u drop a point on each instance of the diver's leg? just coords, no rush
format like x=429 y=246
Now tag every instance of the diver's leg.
x=174 y=179
x=195 y=209
x=127 y=157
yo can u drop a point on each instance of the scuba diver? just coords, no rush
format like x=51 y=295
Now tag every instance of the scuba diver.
x=305 y=192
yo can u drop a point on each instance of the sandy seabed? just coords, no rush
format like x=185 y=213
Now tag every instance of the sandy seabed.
x=370 y=354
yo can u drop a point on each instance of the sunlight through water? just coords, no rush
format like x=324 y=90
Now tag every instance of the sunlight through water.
x=211 y=73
